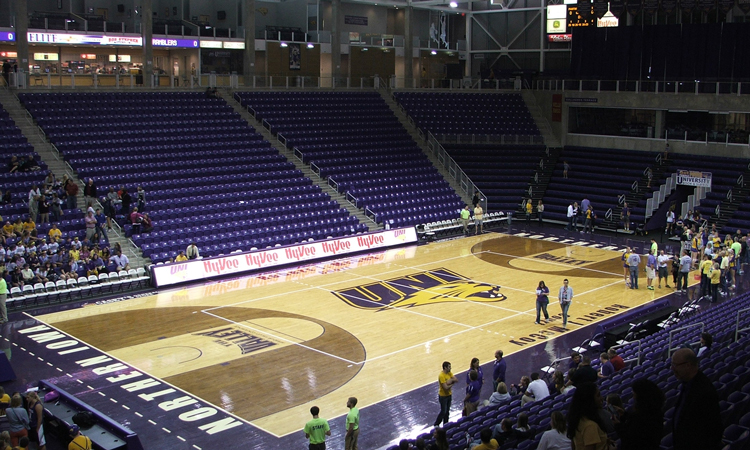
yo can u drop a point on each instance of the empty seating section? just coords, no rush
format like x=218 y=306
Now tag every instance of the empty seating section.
x=600 y=175
x=209 y=177
x=740 y=220
x=355 y=141
x=501 y=173
x=725 y=173
x=13 y=143
x=460 y=113
x=727 y=364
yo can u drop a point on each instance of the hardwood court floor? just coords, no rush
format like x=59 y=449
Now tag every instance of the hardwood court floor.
x=267 y=347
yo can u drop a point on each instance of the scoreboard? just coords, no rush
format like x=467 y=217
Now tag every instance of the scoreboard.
x=563 y=18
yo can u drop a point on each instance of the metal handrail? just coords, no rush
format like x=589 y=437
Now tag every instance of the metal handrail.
x=454 y=169
x=671 y=332
x=638 y=359
x=737 y=329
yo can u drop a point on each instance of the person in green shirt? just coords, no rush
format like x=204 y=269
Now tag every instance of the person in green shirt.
x=3 y=298
x=654 y=247
x=352 y=425
x=316 y=430
x=465 y=214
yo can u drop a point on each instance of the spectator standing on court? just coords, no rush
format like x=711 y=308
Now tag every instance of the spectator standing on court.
x=571 y=217
x=682 y=280
x=542 y=300
x=588 y=220
x=529 y=207
x=697 y=421
x=650 y=271
x=633 y=262
x=565 y=296
x=498 y=369
x=465 y=215
x=352 y=425
x=3 y=298
x=478 y=219
x=662 y=261
x=316 y=430
x=715 y=276
x=446 y=380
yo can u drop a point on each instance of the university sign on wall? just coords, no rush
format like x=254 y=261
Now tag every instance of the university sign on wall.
x=694 y=178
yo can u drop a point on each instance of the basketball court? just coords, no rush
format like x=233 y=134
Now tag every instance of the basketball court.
x=266 y=347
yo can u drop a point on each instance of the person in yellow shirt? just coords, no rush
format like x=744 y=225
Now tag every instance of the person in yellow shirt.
x=4 y=402
x=715 y=276
x=529 y=209
x=54 y=232
x=446 y=380
x=75 y=254
x=8 y=229
x=181 y=257
x=79 y=441
x=705 y=269
x=30 y=226
x=18 y=227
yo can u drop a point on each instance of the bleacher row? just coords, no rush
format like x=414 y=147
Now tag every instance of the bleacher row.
x=372 y=148
x=459 y=113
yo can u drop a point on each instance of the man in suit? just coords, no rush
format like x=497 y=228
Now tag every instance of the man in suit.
x=697 y=419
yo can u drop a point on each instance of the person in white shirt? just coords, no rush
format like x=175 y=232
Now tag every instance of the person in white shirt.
x=571 y=217
x=536 y=391
x=555 y=439
x=192 y=251
x=661 y=265
x=121 y=261
x=670 y=222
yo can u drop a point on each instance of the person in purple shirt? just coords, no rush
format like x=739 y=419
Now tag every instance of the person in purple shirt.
x=473 y=388
x=498 y=370
x=474 y=365
x=542 y=300
x=607 y=368
x=650 y=271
